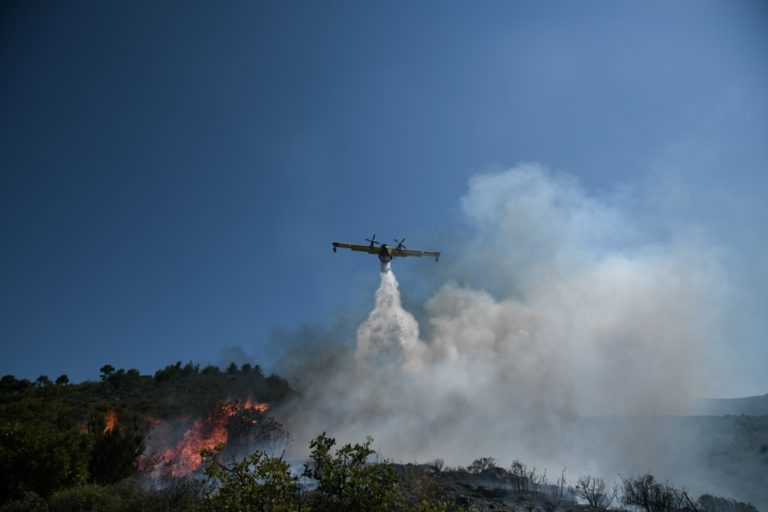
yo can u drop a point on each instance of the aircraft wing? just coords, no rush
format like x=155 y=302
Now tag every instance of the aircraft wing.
x=355 y=247
x=402 y=253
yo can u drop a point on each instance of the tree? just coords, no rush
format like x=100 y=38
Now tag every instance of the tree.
x=87 y=498
x=43 y=382
x=115 y=449
x=190 y=369
x=595 y=492
x=346 y=481
x=41 y=458
x=29 y=502
x=62 y=380
x=525 y=479
x=106 y=371
x=710 y=503
x=480 y=465
x=645 y=492
x=10 y=384
x=211 y=370
x=259 y=482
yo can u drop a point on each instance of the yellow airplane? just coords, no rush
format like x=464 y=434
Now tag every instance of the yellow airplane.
x=385 y=251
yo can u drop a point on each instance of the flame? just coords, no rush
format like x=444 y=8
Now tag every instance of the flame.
x=233 y=407
x=183 y=457
x=110 y=421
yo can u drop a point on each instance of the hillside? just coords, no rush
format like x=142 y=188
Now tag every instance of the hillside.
x=749 y=406
x=172 y=441
x=55 y=435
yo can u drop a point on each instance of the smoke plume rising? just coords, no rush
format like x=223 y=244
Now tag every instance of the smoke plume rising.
x=560 y=309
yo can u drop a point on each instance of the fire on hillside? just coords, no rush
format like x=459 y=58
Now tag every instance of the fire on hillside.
x=174 y=447
x=110 y=421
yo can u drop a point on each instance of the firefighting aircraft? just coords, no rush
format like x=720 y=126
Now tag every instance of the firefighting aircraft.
x=385 y=251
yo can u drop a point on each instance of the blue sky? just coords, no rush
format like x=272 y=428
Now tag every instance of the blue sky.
x=172 y=174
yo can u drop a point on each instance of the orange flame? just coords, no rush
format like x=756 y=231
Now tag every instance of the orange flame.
x=110 y=421
x=184 y=456
x=152 y=421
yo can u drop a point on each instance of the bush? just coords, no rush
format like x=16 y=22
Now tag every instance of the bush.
x=30 y=502
x=437 y=465
x=480 y=465
x=41 y=458
x=346 y=481
x=645 y=492
x=115 y=451
x=170 y=495
x=87 y=498
x=710 y=503
x=525 y=480
x=595 y=492
x=257 y=483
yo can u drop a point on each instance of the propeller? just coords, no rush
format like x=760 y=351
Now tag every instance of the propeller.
x=372 y=239
x=400 y=244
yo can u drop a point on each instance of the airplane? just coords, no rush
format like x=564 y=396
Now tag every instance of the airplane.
x=385 y=251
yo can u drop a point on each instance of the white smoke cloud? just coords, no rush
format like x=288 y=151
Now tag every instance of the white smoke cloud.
x=564 y=311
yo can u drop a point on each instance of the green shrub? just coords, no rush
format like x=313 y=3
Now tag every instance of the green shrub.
x=257 y=483
x=41 y=458
x=87 y=498
x=30 y=502
x=347 y=481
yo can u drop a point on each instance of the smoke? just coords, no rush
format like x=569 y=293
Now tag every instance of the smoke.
x=560 y=308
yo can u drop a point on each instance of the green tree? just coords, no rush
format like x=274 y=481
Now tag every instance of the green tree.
x=106 y=371
x=43 y=382
x=62 y=380
x=115 y=450
x=211 y=370
x=259 y=482
x=347 y=481
x=30 y=502
x=10 y=384
x=41 y=458
x=87 y=498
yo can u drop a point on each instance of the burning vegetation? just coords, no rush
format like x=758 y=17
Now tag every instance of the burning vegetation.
x=110 y=421
x=175 y=446
x=169 y=442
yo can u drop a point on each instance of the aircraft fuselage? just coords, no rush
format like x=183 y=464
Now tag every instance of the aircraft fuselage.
x=385 y=253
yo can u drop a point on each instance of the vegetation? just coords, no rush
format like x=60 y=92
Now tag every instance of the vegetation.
x=259 y=482
x=53 y=434
x=40 y=458
x=77 y=447
x=646 y=493
x=346 y=481
x=595 y=492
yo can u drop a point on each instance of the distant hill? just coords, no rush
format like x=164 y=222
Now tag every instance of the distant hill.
x=748 y=406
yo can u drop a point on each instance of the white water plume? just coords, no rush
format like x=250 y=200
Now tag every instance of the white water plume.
x=390 y=334
x=564 y=311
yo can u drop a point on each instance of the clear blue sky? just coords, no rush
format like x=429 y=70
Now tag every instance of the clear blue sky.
x=172 y=173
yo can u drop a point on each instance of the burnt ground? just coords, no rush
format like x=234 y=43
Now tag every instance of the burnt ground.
x=491 y=489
